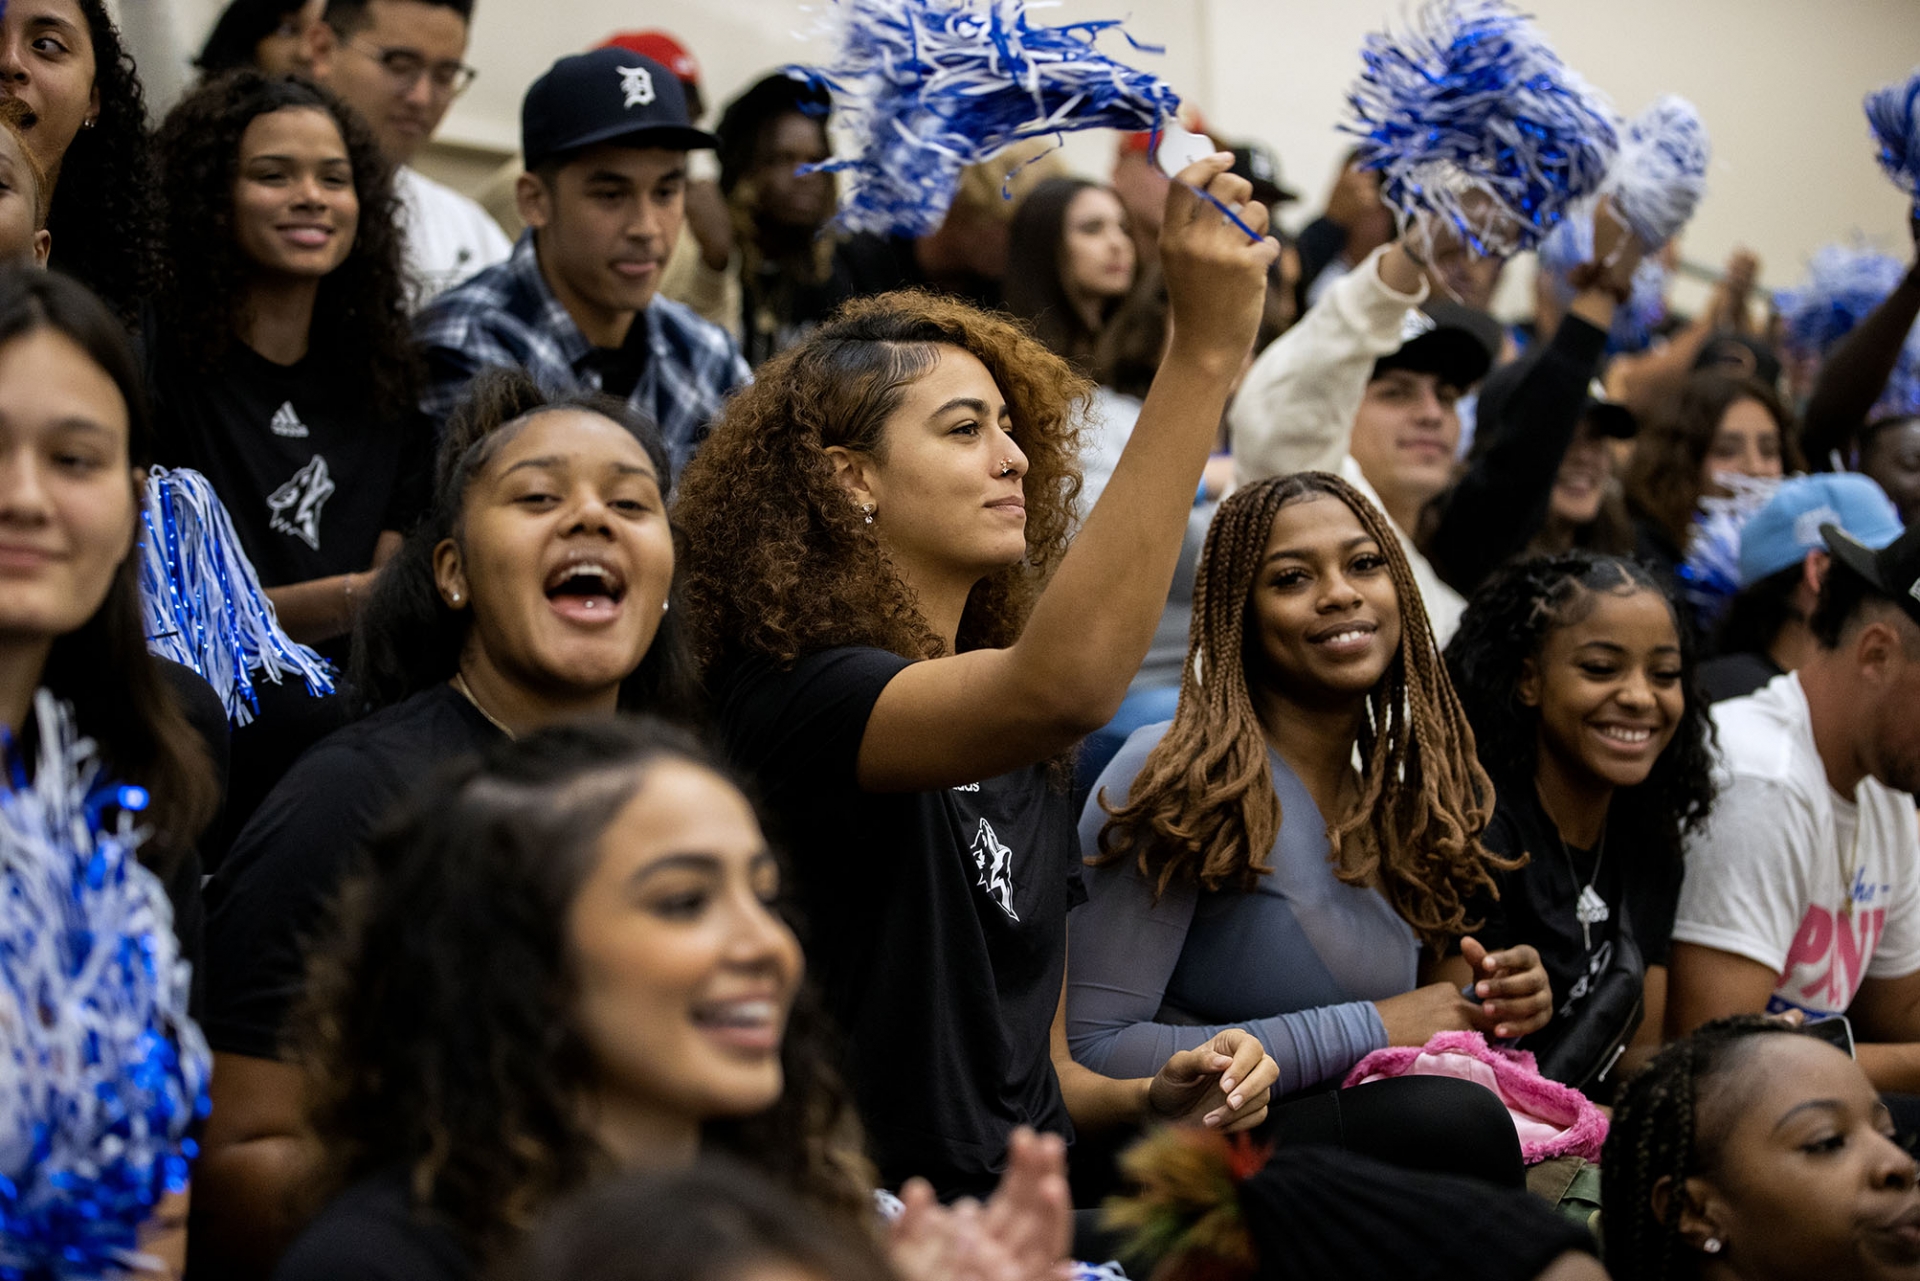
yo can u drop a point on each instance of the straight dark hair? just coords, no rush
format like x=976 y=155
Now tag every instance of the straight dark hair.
x=119 y=697
x=1033 y=287
x=408 y=639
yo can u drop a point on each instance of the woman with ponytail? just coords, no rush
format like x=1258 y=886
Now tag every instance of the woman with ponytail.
x=1246 y=873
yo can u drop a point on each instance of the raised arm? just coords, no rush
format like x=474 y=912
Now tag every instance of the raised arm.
x=1856 y=371
x=973 y=715
x=1296 y=408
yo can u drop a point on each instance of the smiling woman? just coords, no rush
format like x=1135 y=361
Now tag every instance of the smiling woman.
x=281 y=365
x=536 y=592
x=1579 y=681
x=1246 y=875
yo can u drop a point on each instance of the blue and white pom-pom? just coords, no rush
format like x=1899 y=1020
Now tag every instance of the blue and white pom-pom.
x=201 y=604
x=1657 y=182
x=1710 y=574
x=1844 y=284
x=103 y=1077
x=1893 y=114
x=1470 y=116
x=1570 y=245
x=928 y=87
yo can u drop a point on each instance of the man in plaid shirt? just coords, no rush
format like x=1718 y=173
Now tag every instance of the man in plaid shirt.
x=605 y=136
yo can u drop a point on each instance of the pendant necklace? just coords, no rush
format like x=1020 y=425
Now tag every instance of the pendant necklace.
x=1589 y=909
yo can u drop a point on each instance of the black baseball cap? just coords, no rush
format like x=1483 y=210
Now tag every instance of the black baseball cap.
x=1445 y=339
x=608 y=95
x=1603 y=414
x=1893 y=571
x=1259 y=166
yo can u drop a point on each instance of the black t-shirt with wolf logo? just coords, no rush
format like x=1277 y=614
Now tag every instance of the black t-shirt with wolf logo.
x=306 y=470
x=936 y=921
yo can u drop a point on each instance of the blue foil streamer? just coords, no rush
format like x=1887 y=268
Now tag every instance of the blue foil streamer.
x=1469 y=116
x=1891 y=113
x=928 y=87
x=201 y=602
x=103 y=1077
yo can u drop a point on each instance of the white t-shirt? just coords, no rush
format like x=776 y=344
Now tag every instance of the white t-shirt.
x=1767 y=876
x=446 y=237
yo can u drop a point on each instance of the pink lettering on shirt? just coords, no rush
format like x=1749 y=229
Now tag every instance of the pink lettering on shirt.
x=1829 y=956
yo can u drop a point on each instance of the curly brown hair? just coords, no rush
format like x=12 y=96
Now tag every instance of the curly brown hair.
x=1203 y=805
x=438 y=1035
x=360 y=312
x=782 y=564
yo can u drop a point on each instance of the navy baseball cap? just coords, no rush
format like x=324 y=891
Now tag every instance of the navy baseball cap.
x=1788 y=527
x=609 y=95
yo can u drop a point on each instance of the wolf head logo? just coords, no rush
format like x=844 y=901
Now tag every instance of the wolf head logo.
x=994 y=862
x=295 y=506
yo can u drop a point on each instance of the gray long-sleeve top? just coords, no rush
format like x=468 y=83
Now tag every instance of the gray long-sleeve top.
x=1298 y=962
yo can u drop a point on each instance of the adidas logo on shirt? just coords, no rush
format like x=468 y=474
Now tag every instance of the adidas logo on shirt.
x=287 y=423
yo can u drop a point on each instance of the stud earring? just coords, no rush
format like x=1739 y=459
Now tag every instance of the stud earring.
x=1711 y=1245
x=868 y=509
x=665 y=605
x=455 y=597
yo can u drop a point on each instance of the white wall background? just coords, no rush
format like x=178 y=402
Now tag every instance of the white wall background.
x=1779 y=82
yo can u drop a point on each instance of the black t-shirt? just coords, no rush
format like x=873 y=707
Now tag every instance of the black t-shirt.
x=371 y=1232
x=937 y=920
x=309 y=474
x=1537 y=903
x=208 y=717
x=272 y=891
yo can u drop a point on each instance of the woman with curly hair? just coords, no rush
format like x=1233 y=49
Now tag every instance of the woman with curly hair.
x=870 y=529
x=566 y=960
x=282 y=366
x=559 y=961
x=1751 y=1150
x=1246 y=874
x=86 y=121
x=1577 y=674
x=536 y=593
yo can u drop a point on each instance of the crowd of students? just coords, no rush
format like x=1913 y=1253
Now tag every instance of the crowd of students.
x=736 y=619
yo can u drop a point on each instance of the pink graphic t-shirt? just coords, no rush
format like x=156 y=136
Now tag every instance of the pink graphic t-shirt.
x=1822 y=889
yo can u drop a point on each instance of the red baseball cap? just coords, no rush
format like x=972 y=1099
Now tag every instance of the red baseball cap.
x=659 y=46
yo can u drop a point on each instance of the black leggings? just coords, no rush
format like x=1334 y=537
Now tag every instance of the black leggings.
x=1436 y=1123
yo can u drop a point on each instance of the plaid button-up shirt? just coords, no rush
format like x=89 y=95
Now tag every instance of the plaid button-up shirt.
x=506 y=315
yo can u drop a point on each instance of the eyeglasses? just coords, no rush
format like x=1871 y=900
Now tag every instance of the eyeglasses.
x=405 y=67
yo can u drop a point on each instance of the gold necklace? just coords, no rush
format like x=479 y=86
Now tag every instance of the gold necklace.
x=460 y=683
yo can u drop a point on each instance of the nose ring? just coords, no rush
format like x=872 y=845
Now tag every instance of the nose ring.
x=1006 y=466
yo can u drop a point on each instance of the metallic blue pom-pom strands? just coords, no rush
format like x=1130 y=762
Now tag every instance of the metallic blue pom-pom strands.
x=1844 y=284
x=102 y=1074
x=1893 y=113
x=1470 y=116
x=202 y=605
x=927 y=87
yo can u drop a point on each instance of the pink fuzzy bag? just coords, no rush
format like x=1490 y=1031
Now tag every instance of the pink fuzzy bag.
x=1552 y=1119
